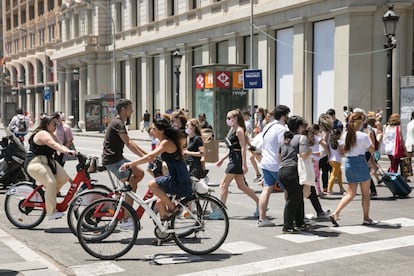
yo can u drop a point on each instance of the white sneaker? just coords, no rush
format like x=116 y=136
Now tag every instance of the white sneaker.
x=126 y=225
x=265 y=223
x=56 y=215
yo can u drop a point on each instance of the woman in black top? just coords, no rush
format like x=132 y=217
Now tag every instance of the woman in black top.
x=193 y=153
x=41 y=165
x=237 y=167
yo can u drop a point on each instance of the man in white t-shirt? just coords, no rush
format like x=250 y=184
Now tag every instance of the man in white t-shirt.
x=272 y=137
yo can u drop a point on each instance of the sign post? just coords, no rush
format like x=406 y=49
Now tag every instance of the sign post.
x=252 y=79
x=46 y=96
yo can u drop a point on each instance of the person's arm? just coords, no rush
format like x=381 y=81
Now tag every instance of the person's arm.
x=242 y=140
x=12 y=124
x=132 y=146
x=45 y=138
x=68 y=135
x=148 y=157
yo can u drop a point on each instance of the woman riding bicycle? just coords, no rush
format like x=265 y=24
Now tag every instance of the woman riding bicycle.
x=178 y=181
x=40 y=162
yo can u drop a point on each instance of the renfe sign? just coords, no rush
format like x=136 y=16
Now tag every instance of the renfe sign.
x=252 y=78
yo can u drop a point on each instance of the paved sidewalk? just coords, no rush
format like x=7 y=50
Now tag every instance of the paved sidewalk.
x=18 y=259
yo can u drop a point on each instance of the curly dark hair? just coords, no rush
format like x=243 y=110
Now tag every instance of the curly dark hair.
x=175 y=135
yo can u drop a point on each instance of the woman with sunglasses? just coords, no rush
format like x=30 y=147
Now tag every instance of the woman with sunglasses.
x=237 y=166
x=40 y=162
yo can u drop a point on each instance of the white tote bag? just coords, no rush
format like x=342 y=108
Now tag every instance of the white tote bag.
x=306 y=171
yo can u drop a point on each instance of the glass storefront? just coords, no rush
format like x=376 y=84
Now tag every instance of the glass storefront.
x=218 y=89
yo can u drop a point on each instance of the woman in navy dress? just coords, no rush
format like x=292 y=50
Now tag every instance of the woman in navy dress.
x=237 y=167
x=178 y=181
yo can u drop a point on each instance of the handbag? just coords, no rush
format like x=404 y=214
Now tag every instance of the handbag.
x=306 y=171
x=399 y=150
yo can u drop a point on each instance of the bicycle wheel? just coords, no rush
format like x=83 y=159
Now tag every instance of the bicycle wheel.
x=99 y=187
x=197 y=232
x=101 y=239
x=20 y=216
x=79 y=203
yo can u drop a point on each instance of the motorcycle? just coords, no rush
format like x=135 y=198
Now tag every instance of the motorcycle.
x=12 y=159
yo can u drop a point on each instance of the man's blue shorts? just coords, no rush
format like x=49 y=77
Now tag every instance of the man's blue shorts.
x=271 y=178
x=114 y=168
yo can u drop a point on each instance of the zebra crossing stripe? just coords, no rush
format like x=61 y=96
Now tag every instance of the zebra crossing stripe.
x=308 y=258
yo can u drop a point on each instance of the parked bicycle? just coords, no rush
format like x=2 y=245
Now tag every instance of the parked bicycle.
x=100 y=234
x=25 y=201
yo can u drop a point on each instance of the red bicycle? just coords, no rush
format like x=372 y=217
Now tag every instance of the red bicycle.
x=25 y=201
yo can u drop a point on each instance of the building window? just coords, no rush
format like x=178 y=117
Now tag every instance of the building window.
x=51 y=32
x=192 y=4
x=151 y=11
x=323 y=66
x=134 y=13
x=246 y=54
x=197 y=55
x=118 y=12
x=222 y=52
x=171 y=6
x=284 y=67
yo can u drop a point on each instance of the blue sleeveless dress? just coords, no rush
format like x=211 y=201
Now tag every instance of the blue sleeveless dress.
x=178 y=182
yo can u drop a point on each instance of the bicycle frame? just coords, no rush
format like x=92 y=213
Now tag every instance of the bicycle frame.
x=80 y=178
x=145 y=204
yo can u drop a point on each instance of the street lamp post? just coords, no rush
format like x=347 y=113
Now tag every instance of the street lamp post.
x=177 y=56
x=75 y=102
x=390 y=20
x=19 y=91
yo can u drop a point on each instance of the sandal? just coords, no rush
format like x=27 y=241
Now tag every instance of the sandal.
x=171 y=213
x=333 y=220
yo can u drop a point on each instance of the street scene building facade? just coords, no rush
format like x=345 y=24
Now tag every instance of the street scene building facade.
x=80 y=56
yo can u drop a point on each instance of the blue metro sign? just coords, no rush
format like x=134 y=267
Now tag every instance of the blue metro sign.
x=252 y=78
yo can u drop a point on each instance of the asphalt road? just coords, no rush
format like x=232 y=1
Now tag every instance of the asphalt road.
x=352 y=249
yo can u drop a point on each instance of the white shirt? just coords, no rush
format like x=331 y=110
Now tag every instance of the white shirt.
x=409 y=139
x=270 y=148
x=361 y=146
x=335 y=154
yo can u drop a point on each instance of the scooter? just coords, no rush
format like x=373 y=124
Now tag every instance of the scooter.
x=12 y=159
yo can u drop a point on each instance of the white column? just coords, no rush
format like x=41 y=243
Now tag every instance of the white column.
x=68 y=93
x=262 y=62
x=164 y=83
x=91 y=79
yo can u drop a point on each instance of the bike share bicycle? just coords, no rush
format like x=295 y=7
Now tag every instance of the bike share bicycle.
x=82 y=200
x=25 y=201
x=98 y=232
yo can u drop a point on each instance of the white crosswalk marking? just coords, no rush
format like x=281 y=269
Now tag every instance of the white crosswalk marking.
x=301 y=238
x=308 y=258
x=241 y=247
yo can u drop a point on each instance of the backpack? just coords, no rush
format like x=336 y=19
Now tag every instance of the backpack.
x=21 y=125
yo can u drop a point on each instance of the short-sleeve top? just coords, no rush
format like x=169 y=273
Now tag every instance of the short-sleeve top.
x=362 y=144
x=289 y=152
x=113 y=146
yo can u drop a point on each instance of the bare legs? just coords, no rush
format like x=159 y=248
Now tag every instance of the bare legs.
x=349 y=196
x=239 y=178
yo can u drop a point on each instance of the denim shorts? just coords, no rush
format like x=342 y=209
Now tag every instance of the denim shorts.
x=271 y=178
x=114 y=168
x=356 y=169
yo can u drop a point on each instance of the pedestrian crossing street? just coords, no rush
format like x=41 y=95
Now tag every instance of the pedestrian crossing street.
x=280 y=263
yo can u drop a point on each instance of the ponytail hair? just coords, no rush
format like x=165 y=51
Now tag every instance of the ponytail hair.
x=356 y=119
